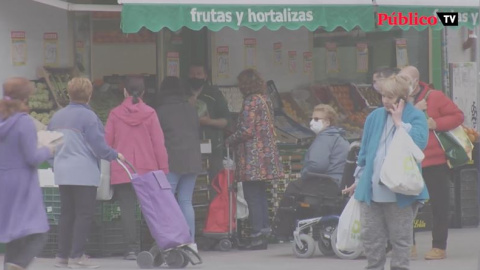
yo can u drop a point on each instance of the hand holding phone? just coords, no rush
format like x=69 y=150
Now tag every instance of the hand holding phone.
x=397 y=111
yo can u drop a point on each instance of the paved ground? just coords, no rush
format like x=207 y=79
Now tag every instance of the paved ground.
x=463 y=254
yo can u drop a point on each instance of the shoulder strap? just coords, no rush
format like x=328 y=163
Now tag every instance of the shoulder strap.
x=270 y=116
x=427 y=94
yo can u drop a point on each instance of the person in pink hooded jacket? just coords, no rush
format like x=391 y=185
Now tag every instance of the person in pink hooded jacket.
x=133 y=129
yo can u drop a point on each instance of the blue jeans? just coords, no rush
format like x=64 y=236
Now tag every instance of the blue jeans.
x=183 y=186
x=255 y=193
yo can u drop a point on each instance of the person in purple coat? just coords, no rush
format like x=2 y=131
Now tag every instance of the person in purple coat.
x=23 y=220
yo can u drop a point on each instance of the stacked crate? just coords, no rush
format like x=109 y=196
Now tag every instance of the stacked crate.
x=292 y=165
x=106 y=235
x=465 y=197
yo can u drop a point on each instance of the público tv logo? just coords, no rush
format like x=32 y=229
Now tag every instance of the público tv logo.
x=413 y=18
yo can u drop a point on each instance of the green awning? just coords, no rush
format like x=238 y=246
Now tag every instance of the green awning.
x=468 y=16
x=217 y=16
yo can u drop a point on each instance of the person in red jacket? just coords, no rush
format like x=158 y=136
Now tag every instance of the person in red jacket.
x=443 y=115
x=133 y=128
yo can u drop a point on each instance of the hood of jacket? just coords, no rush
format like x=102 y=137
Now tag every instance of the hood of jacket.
x=330 y=131
x=7 y=124
x=133 y=114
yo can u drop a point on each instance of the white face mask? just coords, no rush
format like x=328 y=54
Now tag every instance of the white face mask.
x=316 y=126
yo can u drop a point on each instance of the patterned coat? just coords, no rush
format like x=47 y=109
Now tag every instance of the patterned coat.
x=257 y=156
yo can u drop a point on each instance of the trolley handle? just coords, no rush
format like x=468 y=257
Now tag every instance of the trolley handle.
x=127 y=168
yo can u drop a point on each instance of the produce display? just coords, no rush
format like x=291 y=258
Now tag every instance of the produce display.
x=44 y=118
x=291 y=110
x=40 y=100
x=104 y=100
x=472 y=133
x=371 y=97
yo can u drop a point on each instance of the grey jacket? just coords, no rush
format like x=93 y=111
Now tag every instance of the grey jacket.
x=180 y=126
x=327 y=154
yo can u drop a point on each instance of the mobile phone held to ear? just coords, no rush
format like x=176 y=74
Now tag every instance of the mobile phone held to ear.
x=398 y=100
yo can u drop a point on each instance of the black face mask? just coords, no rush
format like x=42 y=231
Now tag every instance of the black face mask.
x=196 y=83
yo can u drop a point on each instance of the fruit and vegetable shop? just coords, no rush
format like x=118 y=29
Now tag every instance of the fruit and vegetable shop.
x=308 y=52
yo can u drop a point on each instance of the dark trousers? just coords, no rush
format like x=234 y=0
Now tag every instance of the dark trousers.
x=22 y=251
x=126 y=197
x=255 y=194
x=76 y=216
x=437 y=180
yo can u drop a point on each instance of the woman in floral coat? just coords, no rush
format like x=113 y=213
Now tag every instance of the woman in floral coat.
x=256 y=152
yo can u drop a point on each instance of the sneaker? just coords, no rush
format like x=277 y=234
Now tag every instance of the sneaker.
x=81 y=262
x=130 y=256
x=413 y=252
x=436 y=254
x=61 y=262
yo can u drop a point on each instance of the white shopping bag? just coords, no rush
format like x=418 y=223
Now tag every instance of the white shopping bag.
x=242 y=206
x=348 y=230
x=400 y=172
x=104 y=190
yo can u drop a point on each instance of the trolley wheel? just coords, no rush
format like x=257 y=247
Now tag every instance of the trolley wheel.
x=145 y=260
x=308 y=247
x=175 y=259
x=225 y=245
x=344 y=254
x=158 y=258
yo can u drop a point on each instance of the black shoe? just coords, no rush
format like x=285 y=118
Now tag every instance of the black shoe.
x=256 y=243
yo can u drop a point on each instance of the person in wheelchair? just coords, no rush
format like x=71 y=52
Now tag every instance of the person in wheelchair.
x=328 y=153
x=317 y=192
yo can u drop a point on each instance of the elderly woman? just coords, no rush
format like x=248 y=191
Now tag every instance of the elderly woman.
x=257 y=155
x=328 y=152
x=23 y=221
x=77 y=172
x=386 y=215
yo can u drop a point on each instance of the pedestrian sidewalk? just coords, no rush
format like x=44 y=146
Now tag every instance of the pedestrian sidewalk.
x=462 y=254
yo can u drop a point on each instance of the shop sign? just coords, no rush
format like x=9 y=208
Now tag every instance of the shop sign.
x=215 y=17
x=173 y=64
x=50 y=49
x=19 y=48
x=423 y=17
x=223 y=60
x=250 y=52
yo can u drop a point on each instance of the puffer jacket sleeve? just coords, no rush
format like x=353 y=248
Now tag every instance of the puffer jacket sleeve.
x=450 y=115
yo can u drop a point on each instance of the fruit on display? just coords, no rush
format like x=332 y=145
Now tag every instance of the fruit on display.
x=472 y=133
x=44 y=118
x=358 y=118
x=104 y=100
x=343 y=97
x=288 y=107
x=40 y=100
x=372 y=97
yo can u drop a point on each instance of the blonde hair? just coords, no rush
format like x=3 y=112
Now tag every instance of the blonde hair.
x=395 y=86
x=329 y=112
x=79 y=90
x=250 y=82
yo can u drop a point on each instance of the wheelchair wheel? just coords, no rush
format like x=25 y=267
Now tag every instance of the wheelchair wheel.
x=308 y=248
x=325 y=241
x=346 y=255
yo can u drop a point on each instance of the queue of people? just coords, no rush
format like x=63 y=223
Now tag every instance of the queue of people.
x=168 y=138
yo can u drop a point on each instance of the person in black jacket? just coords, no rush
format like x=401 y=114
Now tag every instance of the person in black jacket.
x=179 y=121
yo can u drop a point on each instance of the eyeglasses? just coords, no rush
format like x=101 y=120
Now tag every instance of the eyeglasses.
x=316 y=119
